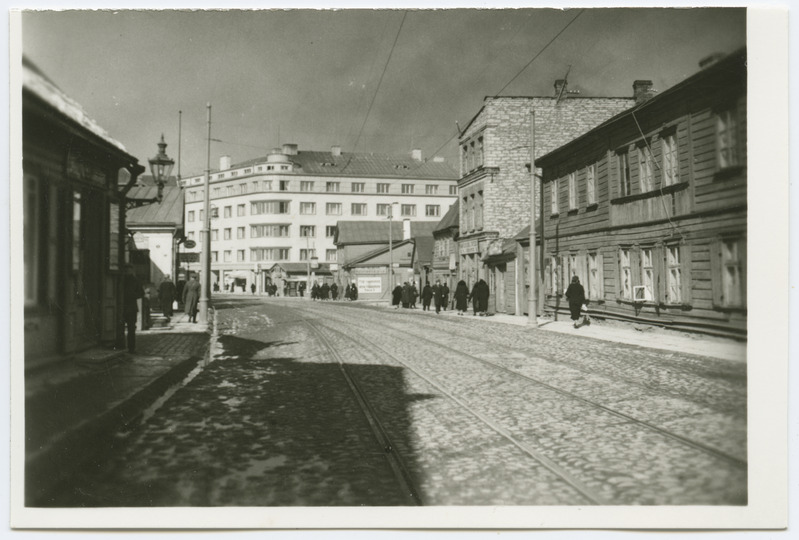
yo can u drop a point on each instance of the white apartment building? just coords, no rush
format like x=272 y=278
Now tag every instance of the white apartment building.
x=284 y=207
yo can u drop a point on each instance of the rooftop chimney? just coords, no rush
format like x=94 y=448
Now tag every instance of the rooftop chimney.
x=406 y=229
x=416 y=154
x=642 y=91
x=710 y=59
x=224 y=163
x=560 y=87
x=335 y=150
x=290 y=149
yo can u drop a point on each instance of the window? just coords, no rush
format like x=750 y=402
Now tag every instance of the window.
x=247 y=171
x=358 y=209
x=228 y=256
x=269 y=254
x=407 y=189
x=595 y=288
x=214 y=235
x=553 y=197
x=330 y=255
x=382 y=188
x=217 y=192
x=625 y=274
x=255 y=185
x=307 y=208
x=269 y=230
x=190 y=235
x=383 y=209
x=431 y=189
x=269 y=207
x=240 y=209
x=283 y=185
x=191 y=216
x=453 y=189
x=333 y=209
x=306 y=185
x=648 y=274
x=572 y=191
x=307 y=230
x=624 y=174
x=227 y=234
x=432 y=210
x=228 y=211
x=307 y=254
x=240 y=255
x=480 y=153
x=284 y=167
x=202 y=214
x=671 y=160
x=645 y=168
x=267 y=185
x=214 y=256
x=330 y=231
x=674 y=274
x=243 y=189
x=240 y=233
x=332 y=187
x=409 y=210
x=727 y=151
x=358 y=187
x=590 y=185
x=729 y=272
x=231 y=190
x=234 y=173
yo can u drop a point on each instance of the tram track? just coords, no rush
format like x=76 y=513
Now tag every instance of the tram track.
x=686 y=441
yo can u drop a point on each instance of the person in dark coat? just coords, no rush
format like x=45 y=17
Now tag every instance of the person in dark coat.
x=166 y=294
x=444 y=296
x=347 y=292
x=461 y=297
x=396 y=296
x=406 y=295
x=437 y=296
x=427 y=296
x=354 y=291
x=334 y=291
x=301 y=289
x=575 y=294
x=482 y=297
x=191 y=295
x=414 y=294
x=132 y=291
x=315 y=291
x=474 y=301
x=324 y=291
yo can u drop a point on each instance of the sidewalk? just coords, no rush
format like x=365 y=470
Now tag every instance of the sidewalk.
x=619 y=332
x=74 y=407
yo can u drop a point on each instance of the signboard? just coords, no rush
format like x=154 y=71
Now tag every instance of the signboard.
x=370 y=284
x=190 y=244
x=469 y=246
x=189 y=257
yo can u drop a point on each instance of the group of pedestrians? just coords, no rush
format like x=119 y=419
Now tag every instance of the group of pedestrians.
x=405 y=295
x=331 y=292
x=478 y=297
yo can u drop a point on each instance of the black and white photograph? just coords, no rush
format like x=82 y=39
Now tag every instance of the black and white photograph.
x=320 y=268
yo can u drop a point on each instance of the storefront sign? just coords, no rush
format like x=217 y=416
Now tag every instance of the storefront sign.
x=469 y=246
x=370 y=285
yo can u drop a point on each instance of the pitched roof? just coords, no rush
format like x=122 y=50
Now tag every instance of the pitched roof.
x=450 y=219
x=168 y=213
x=375 y=252
x=377 y=232
x=301 y=268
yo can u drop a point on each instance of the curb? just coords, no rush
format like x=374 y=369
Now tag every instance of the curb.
x=81 y=447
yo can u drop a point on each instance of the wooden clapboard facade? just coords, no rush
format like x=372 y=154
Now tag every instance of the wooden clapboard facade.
x=649 y=208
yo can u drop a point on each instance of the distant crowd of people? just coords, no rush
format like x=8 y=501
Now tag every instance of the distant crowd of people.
x=331 y=292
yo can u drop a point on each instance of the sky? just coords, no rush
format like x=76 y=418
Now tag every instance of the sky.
x=380 y=81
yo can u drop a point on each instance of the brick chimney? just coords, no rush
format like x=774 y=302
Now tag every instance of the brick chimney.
x=416 y=154
x=335 y=150
x=224 y=163
x=642 y=91
x=560 y=88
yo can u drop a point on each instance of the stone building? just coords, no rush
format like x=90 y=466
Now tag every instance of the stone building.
x=494 y=186
x=284 y=207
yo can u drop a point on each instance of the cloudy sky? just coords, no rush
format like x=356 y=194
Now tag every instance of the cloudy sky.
x=368 y=80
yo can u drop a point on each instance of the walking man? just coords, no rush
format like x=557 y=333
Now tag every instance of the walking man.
x=132 y=291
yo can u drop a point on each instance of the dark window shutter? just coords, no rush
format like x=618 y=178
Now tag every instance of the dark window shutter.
x=661 y=273
x=715 y=273
x=686 y=261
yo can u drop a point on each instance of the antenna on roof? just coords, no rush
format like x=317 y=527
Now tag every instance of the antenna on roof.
x=565 y=82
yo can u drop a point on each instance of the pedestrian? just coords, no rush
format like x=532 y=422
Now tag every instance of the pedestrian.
x=354 y=291
x=216 y=286
x=437 y=295
x=132 y=291
x=334 y=291
x=396 y=296
x=427 y=295
x=406 y=295
x=482 y=297
x=324 y=291
x=301 y=288
x=461 y=297
x=252 y=287
x=191 y=294
x=315 y=291
x=575 y=294
x=166 y=295
x=444 y=296
x=414 y=294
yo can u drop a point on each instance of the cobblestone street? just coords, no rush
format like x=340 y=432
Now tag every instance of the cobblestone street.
x=309 y=403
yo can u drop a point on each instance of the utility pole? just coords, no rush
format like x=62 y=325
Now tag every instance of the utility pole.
x=205 y=276
x=533 y=293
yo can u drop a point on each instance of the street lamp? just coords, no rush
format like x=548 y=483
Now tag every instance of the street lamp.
x=205 y=234
x=161 y=167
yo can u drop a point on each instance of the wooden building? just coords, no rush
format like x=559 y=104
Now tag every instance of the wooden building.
x=74 y=223
x=445 y=248
x=649 y=208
